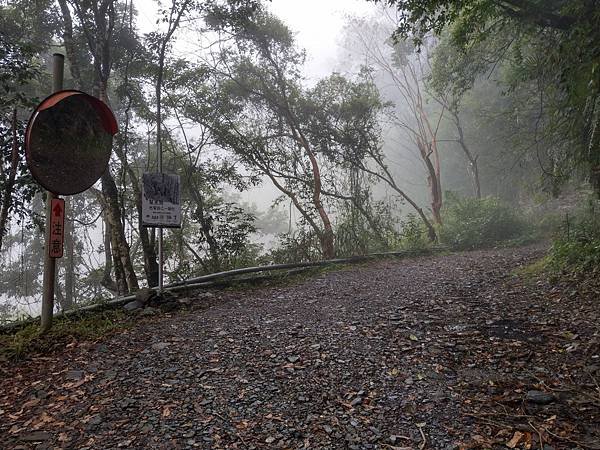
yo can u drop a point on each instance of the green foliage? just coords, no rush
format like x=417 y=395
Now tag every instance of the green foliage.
x=342 y=117
x=232 y=228
x=475 y=223
x=18 y=68
x=7 y=312
x=356 y=234
x=413 y=234
x=549 y=55
x=299 y=246
x=576 y=249
x=218 y=237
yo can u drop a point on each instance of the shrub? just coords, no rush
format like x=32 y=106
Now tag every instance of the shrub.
x=474 y=223
x=357 y=235
x=301 y=245
x=576 y=248
x=413 y=234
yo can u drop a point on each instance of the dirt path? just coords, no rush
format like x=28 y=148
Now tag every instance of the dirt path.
x=437 y=352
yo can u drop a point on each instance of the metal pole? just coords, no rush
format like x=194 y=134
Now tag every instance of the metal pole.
x=58 y=66
x=160 y=241
x=160 y=230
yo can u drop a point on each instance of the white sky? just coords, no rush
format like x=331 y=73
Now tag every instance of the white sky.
x=318 y=24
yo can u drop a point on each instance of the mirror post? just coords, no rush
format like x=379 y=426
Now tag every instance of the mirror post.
x=159 y=157
x=58 y=65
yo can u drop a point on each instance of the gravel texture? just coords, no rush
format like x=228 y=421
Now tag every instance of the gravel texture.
x=442 y=352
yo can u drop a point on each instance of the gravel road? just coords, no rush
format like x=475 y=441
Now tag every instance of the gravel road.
x=437 y=352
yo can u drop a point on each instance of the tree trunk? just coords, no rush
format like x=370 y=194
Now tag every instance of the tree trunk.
x=120 y=247
x=475 y=176
x=206 y=225
x=296 y=203
x=595 y=180
x=472 y=168
x=69 y=43
x=433 y=182
x=8 y=187
x=436 y=200
x=149 y=250
x=107 y=280
x=150 y=262
x=389 y=179
x=327 y=236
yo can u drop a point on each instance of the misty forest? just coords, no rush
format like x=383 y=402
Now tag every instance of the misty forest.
x=396 y=250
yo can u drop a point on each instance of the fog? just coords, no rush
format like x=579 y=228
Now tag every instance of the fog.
x=301 y=131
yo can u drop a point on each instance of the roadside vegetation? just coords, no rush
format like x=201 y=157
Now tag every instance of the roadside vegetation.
x=575 y=249
x=67 y=331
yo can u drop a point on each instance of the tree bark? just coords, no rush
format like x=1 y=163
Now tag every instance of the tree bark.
x=107 y=280
x=150 y=263
x=206 y=225
x=427 y=143
x=389 y=179
x=10 y=182
x=98 y=35
x=326 y=236
x=120 y=247
x=472 y=168
x=69 y=42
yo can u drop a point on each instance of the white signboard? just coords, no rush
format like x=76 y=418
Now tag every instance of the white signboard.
x=161 y=202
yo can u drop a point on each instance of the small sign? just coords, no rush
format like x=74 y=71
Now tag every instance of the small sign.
x=161 y=203
x=57 y=228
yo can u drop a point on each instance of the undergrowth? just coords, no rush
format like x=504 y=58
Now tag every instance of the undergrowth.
x=471 y=223
x=575 y=249
x=28 y=340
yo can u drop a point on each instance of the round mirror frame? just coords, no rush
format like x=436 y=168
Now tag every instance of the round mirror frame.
x=68 y=141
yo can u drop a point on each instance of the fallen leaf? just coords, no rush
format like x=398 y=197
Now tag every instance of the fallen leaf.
x=515 y=439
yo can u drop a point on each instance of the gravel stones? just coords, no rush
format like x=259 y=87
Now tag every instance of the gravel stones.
x=75 y=375
x=36 y=436
x=539 y=397
x=160 y=346
x=370 y=357
x=133 y=305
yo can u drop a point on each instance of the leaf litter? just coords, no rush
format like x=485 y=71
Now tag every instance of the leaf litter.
x=443 y=352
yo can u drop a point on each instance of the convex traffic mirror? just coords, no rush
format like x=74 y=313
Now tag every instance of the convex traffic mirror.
x=68 y=141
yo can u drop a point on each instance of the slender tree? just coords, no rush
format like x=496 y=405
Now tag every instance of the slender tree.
x=96 y=20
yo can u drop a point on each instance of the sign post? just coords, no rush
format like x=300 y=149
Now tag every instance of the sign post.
x=161 y=207
x=58 y=70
